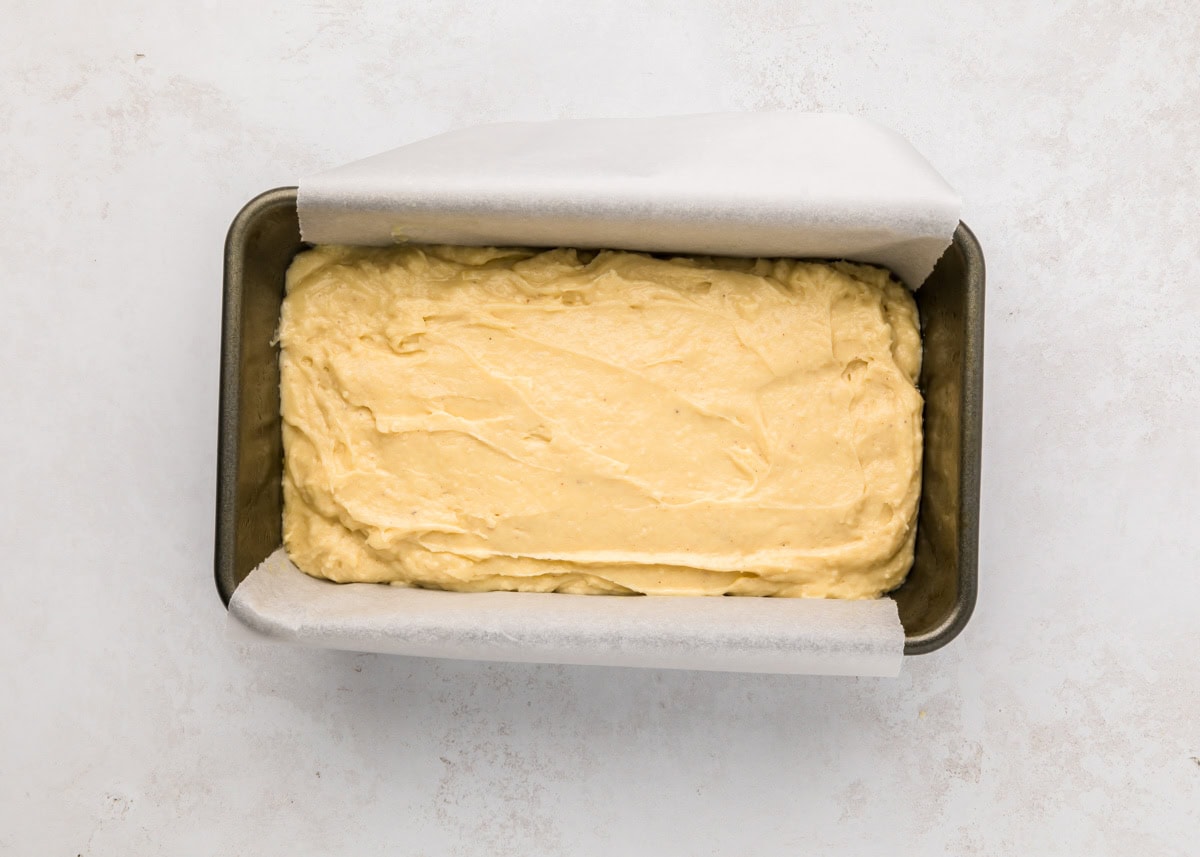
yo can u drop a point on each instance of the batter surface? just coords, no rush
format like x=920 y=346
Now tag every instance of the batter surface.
x=477 y=419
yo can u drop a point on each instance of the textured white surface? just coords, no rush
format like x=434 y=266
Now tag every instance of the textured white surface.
x=1066 y=719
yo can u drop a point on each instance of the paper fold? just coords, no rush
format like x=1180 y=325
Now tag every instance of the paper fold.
x=807 y=185
x=770 y=635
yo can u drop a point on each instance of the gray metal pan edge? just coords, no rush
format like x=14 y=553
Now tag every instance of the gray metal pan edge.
x=935 y=601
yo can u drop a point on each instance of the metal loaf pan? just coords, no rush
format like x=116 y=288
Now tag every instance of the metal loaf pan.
x=935 y=601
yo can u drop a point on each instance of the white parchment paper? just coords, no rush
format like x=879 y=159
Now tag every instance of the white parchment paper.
x=772 y=635
x=763 y=184
x=809 y=185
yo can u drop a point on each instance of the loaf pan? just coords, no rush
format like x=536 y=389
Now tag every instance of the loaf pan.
x=936 y=599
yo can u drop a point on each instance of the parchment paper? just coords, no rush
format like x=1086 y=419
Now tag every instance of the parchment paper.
x=765 y=184
x=772 y=635
x=810 y=185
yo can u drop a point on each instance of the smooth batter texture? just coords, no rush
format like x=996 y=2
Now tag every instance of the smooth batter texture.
x=480 y=419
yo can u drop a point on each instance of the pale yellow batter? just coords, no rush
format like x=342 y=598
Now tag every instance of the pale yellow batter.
x=476 y=419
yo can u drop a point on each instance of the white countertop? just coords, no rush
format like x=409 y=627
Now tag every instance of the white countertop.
x=1065 y=719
